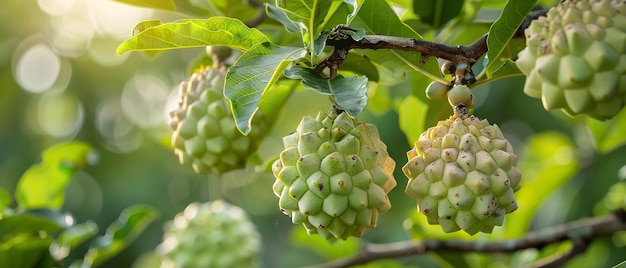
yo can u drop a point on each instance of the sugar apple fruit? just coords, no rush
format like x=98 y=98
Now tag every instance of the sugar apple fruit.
x=205 y=134
x=334 y=175
x=211 y=234
x=462 y=173
x=575 y=59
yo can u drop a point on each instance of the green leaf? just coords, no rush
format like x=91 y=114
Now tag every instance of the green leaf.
x=204 y=8
x=279 y=15
x=167 y=5
x=42 y=186
x=359 y=64
x=350 y=93
x=412 y=116
x=608 y=135
x=310 y=13
x=33 y=222
x=503 y=29
x=379 y=99
x=25 y=251
x=317 y=244
x=218 y=31
x=506 y=70
x=254 y=73
x=5 y=199
x=437 y=13
x=356 y=5
x=547 y=162
x=121 y=233
x=377 y=17
x=70 y=238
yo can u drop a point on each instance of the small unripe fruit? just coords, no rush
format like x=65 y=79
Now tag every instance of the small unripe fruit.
x=204 y=133
x=448 y=67
x=436 y=90
x=461 y=99
x=575 y=58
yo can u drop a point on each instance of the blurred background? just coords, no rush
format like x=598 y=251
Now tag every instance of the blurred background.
x=61 y=80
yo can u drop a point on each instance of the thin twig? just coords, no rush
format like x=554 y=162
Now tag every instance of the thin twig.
x=581 y=232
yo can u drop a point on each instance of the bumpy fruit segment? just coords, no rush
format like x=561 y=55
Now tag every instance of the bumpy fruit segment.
x=575 y=59
x=205 y=134
x=334 y=175
x=212 y=234
x=462 y=173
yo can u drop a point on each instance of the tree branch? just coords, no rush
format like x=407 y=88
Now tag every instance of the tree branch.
x=462 y=57
x=580 y=232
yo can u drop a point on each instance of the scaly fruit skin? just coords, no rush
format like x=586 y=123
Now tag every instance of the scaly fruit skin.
x=212 y=234
x=462 y=173
x=575 y=59
x=205 y=134
x=334 y=175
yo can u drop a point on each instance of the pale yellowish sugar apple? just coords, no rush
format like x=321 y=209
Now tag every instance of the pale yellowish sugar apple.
x=205 y=134
x=334 y=175
x=575 y=59
x=462 y=173
x=212 y=234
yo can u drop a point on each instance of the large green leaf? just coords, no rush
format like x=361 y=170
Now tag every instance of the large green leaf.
x=42 y=186
x=547 y=162
x=377 y=17
x=350 y=93
x=507 y=69
x=437 y=13
x=205 y=8
x=131 y=223
x=5 y=200
x=25 y=250
x=503 y=29
x=252 y=75
x=412 y=115
x=218 y=31
x=167 y=5
x=33 y=222
x=70 y=238
x=608 y=135
x=279 y=15
x=310 y=14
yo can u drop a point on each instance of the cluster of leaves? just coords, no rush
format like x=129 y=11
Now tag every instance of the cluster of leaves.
x=38 y=233
x=265 y=56
x=269 y=54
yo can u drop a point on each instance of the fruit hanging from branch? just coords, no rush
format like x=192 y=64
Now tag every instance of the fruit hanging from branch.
x=575 y=59
x=334 y=175
x=211 y=234
x=205 y=135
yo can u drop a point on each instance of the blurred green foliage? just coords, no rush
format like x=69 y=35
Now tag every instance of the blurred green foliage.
x=78 y=89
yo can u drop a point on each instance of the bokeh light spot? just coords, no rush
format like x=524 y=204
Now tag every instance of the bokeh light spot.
x=143 y=100
x=117 y=133
x=60 y=115
x=37 y=69
x=56 y=7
